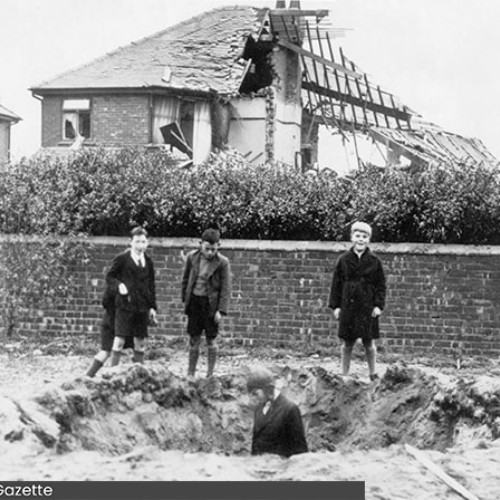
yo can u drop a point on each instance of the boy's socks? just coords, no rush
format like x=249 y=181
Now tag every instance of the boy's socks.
x=138 y=357
x=115 y=357
x=94 y=367
x=212 y=358
x=193 y=360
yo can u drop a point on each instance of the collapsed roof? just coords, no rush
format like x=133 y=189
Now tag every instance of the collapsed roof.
x=430 y=145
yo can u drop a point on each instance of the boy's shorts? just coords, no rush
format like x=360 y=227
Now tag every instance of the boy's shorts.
x=199 y=318
x=131 y=323
x=108 y=332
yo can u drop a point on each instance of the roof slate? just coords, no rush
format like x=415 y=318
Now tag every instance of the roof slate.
x=203 y=54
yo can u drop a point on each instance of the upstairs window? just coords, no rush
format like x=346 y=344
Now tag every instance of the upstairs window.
x=76 y=119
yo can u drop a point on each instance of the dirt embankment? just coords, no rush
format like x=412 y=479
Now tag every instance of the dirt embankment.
x=141 y=405
x=147 y=422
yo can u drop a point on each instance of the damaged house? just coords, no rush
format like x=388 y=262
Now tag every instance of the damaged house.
x=7 y=119
x=261 y=81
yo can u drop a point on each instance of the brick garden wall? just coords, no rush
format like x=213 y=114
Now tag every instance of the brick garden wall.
x=440 y=298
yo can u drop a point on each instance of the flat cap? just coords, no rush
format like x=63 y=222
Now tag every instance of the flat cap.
x=260 y=378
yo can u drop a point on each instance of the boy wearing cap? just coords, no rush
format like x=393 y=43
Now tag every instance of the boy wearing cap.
x=206 y=289
x=277 y=426
x=357 y=297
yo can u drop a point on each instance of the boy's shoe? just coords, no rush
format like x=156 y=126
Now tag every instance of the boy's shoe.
x=138 y=357
x=374 y=377
x=94 y=368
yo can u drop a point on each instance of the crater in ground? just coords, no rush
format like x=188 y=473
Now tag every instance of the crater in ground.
x=148 y=405
x=149 y=423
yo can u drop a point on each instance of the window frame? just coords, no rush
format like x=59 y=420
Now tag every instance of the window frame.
x=74 y=111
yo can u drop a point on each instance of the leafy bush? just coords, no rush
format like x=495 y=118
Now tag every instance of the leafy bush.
x=101 y=192
x=36 y=274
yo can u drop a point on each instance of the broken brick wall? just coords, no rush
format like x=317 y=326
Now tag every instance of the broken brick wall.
x=441 y=299
x=310 y=140
x=287 y=106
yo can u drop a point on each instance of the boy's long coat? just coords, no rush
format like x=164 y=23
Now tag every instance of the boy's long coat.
x=358 y=286
x=218 y=283
x=280 y=430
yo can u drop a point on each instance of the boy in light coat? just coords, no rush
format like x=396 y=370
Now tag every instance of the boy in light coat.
x=206 y=290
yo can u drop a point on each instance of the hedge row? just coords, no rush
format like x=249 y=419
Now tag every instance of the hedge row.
x=106 y=193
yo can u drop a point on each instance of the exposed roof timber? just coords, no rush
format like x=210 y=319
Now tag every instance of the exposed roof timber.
x=286 y=21
x=322 y=60
x=299 y=13
x=356 y=101
x=402 y=149
x=348 y=97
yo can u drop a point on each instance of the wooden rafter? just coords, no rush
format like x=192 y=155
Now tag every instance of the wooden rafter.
x=356 y=101
x=315 y=57
x=336 y=89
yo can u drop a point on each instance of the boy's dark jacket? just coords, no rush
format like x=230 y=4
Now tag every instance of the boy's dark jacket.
x=218 y=284
x=140 y=283
x=280 y=430
x=358 y=286
x=108 y=320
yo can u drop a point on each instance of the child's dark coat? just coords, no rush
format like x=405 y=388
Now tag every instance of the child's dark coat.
x=358 y=286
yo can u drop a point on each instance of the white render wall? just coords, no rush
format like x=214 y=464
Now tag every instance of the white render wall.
x=247 y=132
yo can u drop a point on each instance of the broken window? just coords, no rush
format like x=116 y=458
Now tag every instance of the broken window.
x=76 y=119
x=166 y=110
x=184 y=124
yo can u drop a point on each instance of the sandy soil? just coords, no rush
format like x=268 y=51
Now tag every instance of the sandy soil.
x=58 y=425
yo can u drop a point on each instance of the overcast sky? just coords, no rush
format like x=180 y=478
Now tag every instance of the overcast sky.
x=440 y=57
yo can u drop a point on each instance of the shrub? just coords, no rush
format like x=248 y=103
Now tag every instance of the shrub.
x=103 y=192
x=36 y=274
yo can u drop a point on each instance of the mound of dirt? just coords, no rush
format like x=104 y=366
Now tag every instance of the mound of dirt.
x=134 y=406
x=149 y=423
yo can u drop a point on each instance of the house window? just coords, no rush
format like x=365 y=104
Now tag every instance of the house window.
x=76 y=118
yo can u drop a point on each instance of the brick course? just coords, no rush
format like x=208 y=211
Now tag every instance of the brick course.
x=116 y=120
x=51 y=121
x=121 y=120
x=441 y=299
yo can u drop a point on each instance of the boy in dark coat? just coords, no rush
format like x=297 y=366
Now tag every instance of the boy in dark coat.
x=357 y=297
x=132 y=276
x=206 y=289
x=107 y=333
x=277 y=426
